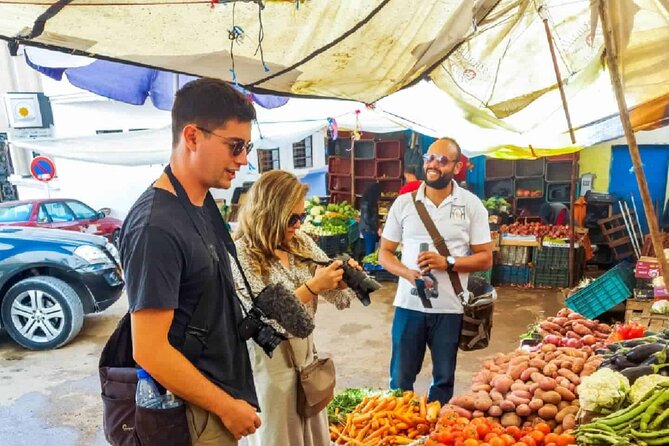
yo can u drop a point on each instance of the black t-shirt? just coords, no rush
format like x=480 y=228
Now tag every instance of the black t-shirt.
x=167 y=265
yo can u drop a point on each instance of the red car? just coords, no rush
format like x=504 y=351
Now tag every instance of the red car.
x=60 y=213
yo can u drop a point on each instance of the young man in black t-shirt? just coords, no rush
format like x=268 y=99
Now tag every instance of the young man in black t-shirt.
x=170 y=255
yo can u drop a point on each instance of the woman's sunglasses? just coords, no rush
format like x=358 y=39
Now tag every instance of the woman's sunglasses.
x=294 y=218
x=237 y=145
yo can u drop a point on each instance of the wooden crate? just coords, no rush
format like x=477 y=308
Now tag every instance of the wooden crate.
x=638 y=310
x=658 y=322
x=616 y=235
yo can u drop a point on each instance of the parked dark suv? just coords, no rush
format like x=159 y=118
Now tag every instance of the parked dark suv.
x=49 y=279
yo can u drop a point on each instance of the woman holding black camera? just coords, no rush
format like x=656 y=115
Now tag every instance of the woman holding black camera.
x=272 y=250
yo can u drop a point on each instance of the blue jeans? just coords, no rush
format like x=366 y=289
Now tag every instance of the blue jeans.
x=411 y=332
x=370 y=239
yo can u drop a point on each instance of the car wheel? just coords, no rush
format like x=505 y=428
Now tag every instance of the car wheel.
x=116 y=238
x=42 y=313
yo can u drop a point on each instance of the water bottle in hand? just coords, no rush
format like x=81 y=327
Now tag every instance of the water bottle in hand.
x=147 y=394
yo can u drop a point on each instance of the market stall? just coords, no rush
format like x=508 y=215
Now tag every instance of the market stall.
x=573 y=380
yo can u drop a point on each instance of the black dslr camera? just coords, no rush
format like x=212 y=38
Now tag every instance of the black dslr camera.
x=358 y=281
x=266 y=336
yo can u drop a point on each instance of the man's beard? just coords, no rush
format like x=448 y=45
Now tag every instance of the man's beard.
x=440 y=183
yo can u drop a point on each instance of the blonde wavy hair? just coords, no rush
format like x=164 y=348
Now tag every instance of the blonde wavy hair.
x=263 y=218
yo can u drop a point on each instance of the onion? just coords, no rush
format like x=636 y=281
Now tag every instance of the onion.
x=553 y=339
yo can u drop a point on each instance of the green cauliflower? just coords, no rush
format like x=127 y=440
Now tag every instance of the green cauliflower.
x=645 y=384
x=604 y=391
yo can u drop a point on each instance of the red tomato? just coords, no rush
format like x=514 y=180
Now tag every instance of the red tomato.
x=514 y=431
x=544 y=428
x=445 y=437
x=471 y=442
x=537 y=435
x=470 y=432
x=483 y=430
x=566 y=440
x=551 y=438
x=496 y=441
x=508 y=439
x=528 y=440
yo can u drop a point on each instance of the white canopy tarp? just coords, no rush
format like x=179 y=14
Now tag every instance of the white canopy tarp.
x=490 y=56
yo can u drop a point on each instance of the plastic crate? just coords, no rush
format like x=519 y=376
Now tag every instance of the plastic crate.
x=353 y=232
x=529 y=185
x=332 y=244
x=338 y=165
x=546 y=257
x=338 y=197
x=607 y=291
x=529 y=168
x=529 y=207
x=551 y=277
x=365 y=168
x=557 y=192
x=341 y=148
x=390 y=186
x=495 y=168
x=364 y=150
x=567 y=157
x=361 y=185
x=389 y=169
x=511 y=275
x=560 y=171
x=514 y=255
x=485 y=275
x=388 y=150
x=499 y=188
x=339 y=183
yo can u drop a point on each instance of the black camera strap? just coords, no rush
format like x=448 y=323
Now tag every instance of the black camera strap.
x=203 y=316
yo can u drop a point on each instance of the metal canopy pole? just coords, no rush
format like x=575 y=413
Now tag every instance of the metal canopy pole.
x=574 y=163
x=611 y=56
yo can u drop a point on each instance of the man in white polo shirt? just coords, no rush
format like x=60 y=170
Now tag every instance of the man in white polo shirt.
x=463 y=222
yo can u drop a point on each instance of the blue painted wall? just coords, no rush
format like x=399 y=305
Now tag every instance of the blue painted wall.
x=655 y=159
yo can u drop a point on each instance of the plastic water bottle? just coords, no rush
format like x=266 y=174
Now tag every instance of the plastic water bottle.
x=171 y=401
x=147 y=394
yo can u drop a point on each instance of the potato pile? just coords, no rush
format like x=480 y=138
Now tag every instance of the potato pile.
x=521 y=387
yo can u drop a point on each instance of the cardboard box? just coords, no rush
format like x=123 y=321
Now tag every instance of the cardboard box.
x=660 y=293
x=647 y=268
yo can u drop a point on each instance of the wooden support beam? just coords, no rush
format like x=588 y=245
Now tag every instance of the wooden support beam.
x=614 y=72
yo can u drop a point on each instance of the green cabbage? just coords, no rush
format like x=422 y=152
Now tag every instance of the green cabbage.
x=645 y=384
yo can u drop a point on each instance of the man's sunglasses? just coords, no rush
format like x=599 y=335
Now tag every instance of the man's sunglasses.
x=441 y=159
x=237 y=145
x=294 y=218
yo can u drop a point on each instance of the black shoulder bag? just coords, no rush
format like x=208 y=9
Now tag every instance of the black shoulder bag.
x=476 y=319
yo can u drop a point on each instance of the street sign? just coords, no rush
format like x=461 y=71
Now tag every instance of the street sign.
x=42 y=168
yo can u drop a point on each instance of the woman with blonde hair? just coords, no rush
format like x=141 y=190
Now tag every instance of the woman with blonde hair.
x=271 y=250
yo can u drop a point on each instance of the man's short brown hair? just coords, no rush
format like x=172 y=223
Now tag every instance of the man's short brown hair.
x=208 y=103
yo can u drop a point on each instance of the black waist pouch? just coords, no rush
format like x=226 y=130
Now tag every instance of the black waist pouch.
x=123 y=422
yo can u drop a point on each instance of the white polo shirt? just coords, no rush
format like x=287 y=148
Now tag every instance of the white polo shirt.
x=461 y=219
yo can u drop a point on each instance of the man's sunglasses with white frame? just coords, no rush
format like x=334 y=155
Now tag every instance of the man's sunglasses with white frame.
x=441 y=159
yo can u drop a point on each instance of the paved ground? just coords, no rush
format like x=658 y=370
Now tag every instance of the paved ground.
x=52 y=398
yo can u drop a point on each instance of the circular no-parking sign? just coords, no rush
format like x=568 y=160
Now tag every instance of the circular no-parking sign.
x=42 y=168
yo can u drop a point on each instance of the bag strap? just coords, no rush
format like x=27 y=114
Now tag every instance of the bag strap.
x=198 y=330
x=291 y=353
x=439 y=243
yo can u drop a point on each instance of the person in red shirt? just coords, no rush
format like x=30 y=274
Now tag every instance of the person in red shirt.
x=411 y=181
